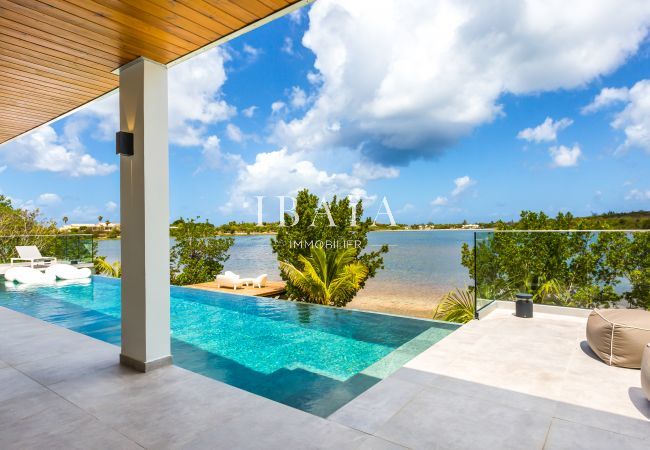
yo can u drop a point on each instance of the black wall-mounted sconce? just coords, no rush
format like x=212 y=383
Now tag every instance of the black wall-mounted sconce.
x=124 y=143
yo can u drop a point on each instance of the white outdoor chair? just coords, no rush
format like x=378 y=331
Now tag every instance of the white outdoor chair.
x=260 y=281
x=230 y=279
x=31 y=254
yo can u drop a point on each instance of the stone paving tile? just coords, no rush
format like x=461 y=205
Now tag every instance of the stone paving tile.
x=378 y=404
x=441 y=419
x=62 y=425
x=54 y=369
x=564 y=435
x=13 y=384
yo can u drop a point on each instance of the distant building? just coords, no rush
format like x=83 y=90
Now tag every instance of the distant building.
x=99 y=226
x=471 y=226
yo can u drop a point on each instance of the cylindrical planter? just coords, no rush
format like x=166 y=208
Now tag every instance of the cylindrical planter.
x=524 y=306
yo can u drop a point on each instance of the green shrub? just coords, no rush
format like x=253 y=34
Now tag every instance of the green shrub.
x=195 y=257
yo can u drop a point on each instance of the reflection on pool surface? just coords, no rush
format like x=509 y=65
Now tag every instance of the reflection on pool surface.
x=307 y=356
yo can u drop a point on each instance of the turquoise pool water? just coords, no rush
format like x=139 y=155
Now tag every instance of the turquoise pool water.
x=307 y=356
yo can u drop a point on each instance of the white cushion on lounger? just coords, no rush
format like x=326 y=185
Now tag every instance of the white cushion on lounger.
x=68 y=272
x=12 y=273
x=34 y=276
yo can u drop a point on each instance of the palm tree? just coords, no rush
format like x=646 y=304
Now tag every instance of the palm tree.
x=65 y=220
x=99 y=219
x=105 y=268
x=327 y=278
x=456 y=306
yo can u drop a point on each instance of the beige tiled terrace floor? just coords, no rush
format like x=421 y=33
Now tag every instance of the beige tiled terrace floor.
x=64 y=390
x=505 y=382
x=499 y=383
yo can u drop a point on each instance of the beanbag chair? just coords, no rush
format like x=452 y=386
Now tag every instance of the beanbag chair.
x=618 y=336
x=645 y=371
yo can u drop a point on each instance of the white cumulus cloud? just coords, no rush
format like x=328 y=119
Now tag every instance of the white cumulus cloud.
x=634 y=119
x=564 y=156
x=195 y=99
x=48 y=199
x=298 y=97
x=296 y=16
x=638 y=195
x=407 y=79
x=277 y=106
x=440 y=201
x=45 y=150
x=287 y=47
x=606 y=97
x=546 y=131
x=215 y=158
x=461 y=185
x=111 y=206
x=249 y=112
x=282 y=172
x=369 y=171
x=234 y=133
x=252 y=52
x=194 y=96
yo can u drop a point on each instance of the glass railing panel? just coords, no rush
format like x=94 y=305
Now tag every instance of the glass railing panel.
x=67 y=248
x=576 y=268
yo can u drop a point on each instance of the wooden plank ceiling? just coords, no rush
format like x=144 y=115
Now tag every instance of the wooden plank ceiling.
x=56 y=55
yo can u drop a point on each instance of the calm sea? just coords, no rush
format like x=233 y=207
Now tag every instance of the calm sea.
x=419 y=265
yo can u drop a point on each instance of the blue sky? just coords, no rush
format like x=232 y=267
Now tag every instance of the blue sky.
x=417 y=103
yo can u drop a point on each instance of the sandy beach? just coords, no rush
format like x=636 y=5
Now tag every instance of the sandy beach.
x=386 y=297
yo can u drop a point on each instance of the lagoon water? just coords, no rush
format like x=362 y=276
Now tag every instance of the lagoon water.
x=418 y=269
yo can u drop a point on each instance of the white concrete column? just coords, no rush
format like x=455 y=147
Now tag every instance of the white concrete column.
x=144 y=216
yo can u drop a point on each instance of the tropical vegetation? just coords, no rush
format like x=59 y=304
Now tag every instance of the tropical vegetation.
x=197 y=257
x=327 y=278
x=20 y=226
x=456 y=306
x=103 y=267
x=580 y=268
x=347 y=228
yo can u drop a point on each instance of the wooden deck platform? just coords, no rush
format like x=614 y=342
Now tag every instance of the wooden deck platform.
x=272 y=289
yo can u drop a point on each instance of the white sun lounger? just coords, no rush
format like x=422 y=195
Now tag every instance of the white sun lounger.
x=230 y=279
x=31 y=254
x=259 y=282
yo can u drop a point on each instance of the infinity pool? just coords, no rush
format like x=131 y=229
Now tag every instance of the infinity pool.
x=310 y=357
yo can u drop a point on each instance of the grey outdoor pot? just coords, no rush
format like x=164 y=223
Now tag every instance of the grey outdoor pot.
x=524 y=306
